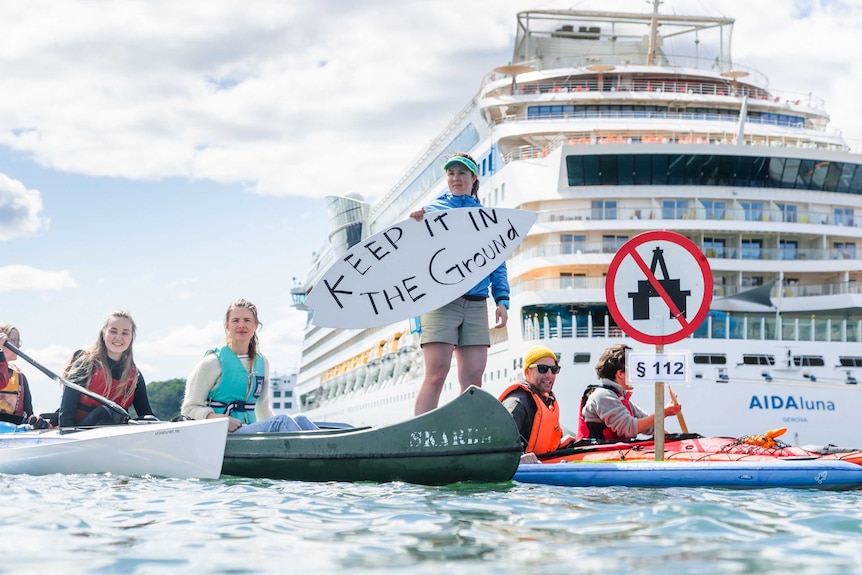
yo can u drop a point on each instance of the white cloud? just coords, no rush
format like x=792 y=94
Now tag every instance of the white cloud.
x=288 y=94
x=188 y=341
x=20 y=277
x=20 y=210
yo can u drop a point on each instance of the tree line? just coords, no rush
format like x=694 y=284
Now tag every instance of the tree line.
x=166 y=397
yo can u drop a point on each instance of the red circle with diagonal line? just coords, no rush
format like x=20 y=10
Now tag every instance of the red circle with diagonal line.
x=653 y=281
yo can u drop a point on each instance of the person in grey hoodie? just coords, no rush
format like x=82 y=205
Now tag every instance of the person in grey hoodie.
x=607 y=412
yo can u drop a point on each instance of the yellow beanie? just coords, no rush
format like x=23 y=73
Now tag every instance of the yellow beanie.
x=536 y=353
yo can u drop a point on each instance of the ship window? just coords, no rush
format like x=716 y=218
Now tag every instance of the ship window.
x=660 y=169
x=751 y=249
x=674 y=210
x=709 y=172
x=787 y=249
x=604 y=210
x=626 y=172
x=610 y=244
x=572 y=281
x=710 y=358
x=706 y=169
x=608 y=170
x=762 y=174
x=842 y=216
x=744 y=170
x=758 y=359
x=810 y=175
x=833 y=174
x=694 y=166
x=726 y=170
x=572 y=243
x=582 y=358
x=791 y=174
x=753 y=211
x=643 y=170
x=808 y=361
x=850 y=361
x=676 y=170
x=714 y=210
x=789 y=212
x=844 y=250
x=845 y=181
x=713 y=247
x=592 y=175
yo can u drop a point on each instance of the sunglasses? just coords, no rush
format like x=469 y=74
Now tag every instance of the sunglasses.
x=543 y=369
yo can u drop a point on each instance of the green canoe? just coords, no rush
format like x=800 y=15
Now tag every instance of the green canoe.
x=472 y=438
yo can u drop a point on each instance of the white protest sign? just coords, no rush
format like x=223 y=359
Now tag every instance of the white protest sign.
x=413 y=267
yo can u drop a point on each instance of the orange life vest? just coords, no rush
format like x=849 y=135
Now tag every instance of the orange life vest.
x=12 y=394
x=546 y=433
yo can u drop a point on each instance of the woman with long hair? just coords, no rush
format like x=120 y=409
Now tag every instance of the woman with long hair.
x=233 y=380
x=107 y=368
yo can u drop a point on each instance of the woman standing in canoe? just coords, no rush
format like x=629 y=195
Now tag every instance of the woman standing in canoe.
x=233 y=380
x=108 y=368
x=461 y=326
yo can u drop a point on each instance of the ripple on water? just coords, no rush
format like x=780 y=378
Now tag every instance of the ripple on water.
x=106 y=524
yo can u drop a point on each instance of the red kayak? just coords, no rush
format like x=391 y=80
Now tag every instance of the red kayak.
x=694 y=447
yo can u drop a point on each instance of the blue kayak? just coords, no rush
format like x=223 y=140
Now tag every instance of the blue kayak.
x=830 y=475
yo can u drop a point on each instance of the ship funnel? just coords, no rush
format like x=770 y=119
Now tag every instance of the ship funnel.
x=346 y=219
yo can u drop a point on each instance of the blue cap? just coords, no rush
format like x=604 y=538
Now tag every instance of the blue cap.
x=471 y=165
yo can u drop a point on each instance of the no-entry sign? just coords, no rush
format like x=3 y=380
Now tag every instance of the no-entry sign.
x=659 y=287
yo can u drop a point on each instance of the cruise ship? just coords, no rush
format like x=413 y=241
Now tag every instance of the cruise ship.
x=608 y=125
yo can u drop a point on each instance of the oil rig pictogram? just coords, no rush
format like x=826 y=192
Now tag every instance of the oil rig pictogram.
x=646 y=291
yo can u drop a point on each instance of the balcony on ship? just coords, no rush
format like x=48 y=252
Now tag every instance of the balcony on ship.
x=565 y=321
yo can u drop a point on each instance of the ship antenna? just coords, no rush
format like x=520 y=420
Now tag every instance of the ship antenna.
x=653 y=33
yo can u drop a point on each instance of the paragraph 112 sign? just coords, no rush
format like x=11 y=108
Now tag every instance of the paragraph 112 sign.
x=659 y=287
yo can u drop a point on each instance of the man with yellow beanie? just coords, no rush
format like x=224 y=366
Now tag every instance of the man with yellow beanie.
x=533 y=405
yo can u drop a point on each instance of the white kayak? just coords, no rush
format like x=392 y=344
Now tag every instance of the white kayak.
x=184 y=449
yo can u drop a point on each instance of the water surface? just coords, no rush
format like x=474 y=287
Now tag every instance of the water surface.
x=107 y=524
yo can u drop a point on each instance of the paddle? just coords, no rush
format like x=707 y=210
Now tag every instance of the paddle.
x=103 y=400
x=679 y=416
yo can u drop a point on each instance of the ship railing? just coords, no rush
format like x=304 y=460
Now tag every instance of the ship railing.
x=551 y=112
x=752 y=252
x=658 y=89
x=578 y=65
x=668 y=137
x=718 y=325
x=753 y=212
x=567 y=282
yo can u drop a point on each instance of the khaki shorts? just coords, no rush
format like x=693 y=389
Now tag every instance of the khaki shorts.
x=461 y=323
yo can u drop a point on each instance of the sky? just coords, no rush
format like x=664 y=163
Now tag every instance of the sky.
x=167 y=158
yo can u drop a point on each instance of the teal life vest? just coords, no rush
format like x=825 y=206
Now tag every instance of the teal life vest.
x=237 y=391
